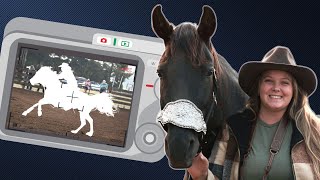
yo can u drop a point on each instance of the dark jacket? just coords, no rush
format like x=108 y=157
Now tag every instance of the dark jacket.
x=233 y=142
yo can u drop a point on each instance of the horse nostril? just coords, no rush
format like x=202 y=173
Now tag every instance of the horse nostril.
x=191 y=144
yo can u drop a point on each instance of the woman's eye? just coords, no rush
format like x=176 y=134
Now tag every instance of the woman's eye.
x=267 y=80
x=285 y=83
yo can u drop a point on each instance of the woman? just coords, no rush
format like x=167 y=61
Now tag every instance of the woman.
x=277 y=135
x=103 y=86
x=87 y=86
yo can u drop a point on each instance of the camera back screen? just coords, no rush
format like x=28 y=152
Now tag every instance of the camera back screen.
x=73 y=95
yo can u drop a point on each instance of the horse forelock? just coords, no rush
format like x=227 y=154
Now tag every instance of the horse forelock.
x=186 y=38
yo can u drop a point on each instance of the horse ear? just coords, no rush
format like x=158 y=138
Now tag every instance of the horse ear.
x=207 y=24
x=160 y=24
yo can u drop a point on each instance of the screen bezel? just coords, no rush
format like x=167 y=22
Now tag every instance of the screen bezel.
x=87 y=49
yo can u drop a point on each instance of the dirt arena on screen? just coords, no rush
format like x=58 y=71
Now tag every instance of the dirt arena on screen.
x=57 y=122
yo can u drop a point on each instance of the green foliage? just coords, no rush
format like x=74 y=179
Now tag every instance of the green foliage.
x=82 y=67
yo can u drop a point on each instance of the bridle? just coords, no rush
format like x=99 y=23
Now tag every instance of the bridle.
x=204 y=138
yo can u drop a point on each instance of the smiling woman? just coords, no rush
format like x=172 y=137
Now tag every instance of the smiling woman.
x=275 y=92
x=278 y=121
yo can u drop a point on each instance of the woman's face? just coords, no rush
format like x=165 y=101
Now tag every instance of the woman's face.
x=276 y=90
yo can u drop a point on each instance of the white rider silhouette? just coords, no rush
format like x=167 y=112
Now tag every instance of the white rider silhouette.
x=68 y=96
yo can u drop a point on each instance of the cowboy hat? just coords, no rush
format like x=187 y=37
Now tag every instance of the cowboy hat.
x=64 y=65
x=278 y=58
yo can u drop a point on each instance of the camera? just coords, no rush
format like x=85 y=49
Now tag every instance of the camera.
x=81 y=89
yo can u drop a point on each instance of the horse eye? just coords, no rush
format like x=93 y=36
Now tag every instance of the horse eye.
x=160 y=73
x=209 y=72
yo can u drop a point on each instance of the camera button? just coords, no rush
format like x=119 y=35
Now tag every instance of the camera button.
x=149 y=138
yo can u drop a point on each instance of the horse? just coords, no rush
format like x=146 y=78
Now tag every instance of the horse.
x=59 y=95
x=198 y=87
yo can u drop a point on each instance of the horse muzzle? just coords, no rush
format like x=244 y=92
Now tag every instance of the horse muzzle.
x=184 y=121
x=181 y=146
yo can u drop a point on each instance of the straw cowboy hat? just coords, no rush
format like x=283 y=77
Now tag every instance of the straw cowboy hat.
x=278 y=58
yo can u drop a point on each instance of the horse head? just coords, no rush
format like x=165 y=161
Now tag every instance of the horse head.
x=187 y=74
x=192 y=86
x=41 y=76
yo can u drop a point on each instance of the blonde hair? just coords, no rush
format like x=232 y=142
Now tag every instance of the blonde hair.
x=307 y=122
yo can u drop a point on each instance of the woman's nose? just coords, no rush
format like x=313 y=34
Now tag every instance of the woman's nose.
x=276 y=88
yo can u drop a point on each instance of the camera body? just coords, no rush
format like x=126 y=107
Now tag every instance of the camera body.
x=126 y=62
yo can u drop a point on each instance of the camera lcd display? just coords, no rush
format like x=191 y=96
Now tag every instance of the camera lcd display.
x=74 y=95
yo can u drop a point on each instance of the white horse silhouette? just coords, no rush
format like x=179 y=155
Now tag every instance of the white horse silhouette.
x=61 y=96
